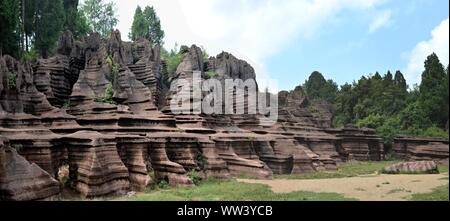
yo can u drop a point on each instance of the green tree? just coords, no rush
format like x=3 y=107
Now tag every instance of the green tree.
x=138 y=28
x=9 y=27
x=317 y=87
x=173 y=58
x=49 y=24
x=28 y=20
x=146 y=24
x=101 y=17
x=71 y=11
x=434 y=91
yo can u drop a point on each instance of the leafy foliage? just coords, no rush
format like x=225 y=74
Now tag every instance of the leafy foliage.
x=108 y=96
x=146 y=24
x=193 y=175
x=101 y=16
x=173 y=58
x=211 y=74
x=49 y=24
x=318 y=88
x=9 y=25
x=386 y=104
x=12 y=79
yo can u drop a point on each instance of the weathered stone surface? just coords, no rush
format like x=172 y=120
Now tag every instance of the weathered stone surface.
x=413 y=148
x=427 y=167
x=360 y=144
x=133 y=151
x=432 y=151
x=94 y=164
x=24 y=181
x=119 y=130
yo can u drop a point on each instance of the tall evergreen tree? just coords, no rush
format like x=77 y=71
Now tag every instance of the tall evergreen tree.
x=146 y=24
x=156 y=34
x=138 y=28
x=9 y=27
x=433 y=91
x=317 y=87
x=71 y=11
x=49 y=24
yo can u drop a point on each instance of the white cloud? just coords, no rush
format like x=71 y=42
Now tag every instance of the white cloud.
x=381 y=19
x=437 y=44
x=252 y=30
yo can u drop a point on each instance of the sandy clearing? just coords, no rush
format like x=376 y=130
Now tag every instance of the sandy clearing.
x=366 y=188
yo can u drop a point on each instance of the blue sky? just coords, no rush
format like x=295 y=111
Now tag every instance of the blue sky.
x=346 y=50
x=286 y=40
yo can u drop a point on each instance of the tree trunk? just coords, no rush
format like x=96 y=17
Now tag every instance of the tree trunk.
x=23 y=26
x=26 y=42
x=44 y=53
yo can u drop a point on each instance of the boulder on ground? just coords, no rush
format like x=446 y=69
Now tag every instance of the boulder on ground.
x=419 y=167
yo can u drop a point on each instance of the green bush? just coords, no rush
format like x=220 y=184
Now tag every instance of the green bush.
x=31 y=55
x=66 y=104
x=172 y=58
x=114 y=69
x=211 y=74
x=107 y=97
x=193 y=175
x=12 y=79
x=201 y=161
x=372 y=121
x=427 y=132
x=163 y=184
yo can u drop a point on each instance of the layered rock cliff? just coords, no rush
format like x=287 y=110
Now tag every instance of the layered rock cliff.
x=102 y=108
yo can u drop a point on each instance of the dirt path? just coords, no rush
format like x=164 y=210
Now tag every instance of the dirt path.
x=366 y=188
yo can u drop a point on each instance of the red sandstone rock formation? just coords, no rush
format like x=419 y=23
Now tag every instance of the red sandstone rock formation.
x=21 y=180
x=119 y=131
x=413 y=148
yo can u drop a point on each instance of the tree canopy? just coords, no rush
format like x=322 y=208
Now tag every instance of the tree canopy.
x=101 y=16
x=146 y=24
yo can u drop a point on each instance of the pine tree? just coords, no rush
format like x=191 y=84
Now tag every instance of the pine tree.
x=49 y=24
x=146 y=24
x=433 y=91
x=138 y=28
x=156 y=34
x=9 y=27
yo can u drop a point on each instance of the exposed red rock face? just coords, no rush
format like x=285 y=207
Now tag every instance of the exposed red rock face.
x=412 y=148
x=360 y=144
x=21 y=180
x=102 y=107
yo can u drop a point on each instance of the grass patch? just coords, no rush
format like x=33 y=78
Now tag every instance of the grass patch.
x=439 y=194
x=351 y=169
x=443 y=168
x=231 y=190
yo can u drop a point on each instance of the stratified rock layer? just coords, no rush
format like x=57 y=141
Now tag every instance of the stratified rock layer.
x=412 y=148
x=21 y=180
x=102 y=107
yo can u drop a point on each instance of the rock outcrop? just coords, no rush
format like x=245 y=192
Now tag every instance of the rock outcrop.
x=427 y=167
x=101 y=107
x=413 y=148
x=21 y=180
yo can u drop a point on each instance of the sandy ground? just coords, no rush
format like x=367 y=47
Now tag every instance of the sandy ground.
x=366 y=188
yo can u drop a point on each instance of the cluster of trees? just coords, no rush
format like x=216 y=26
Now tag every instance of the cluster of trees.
x=146 y=24
x=30 y=26
x=386 y=104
